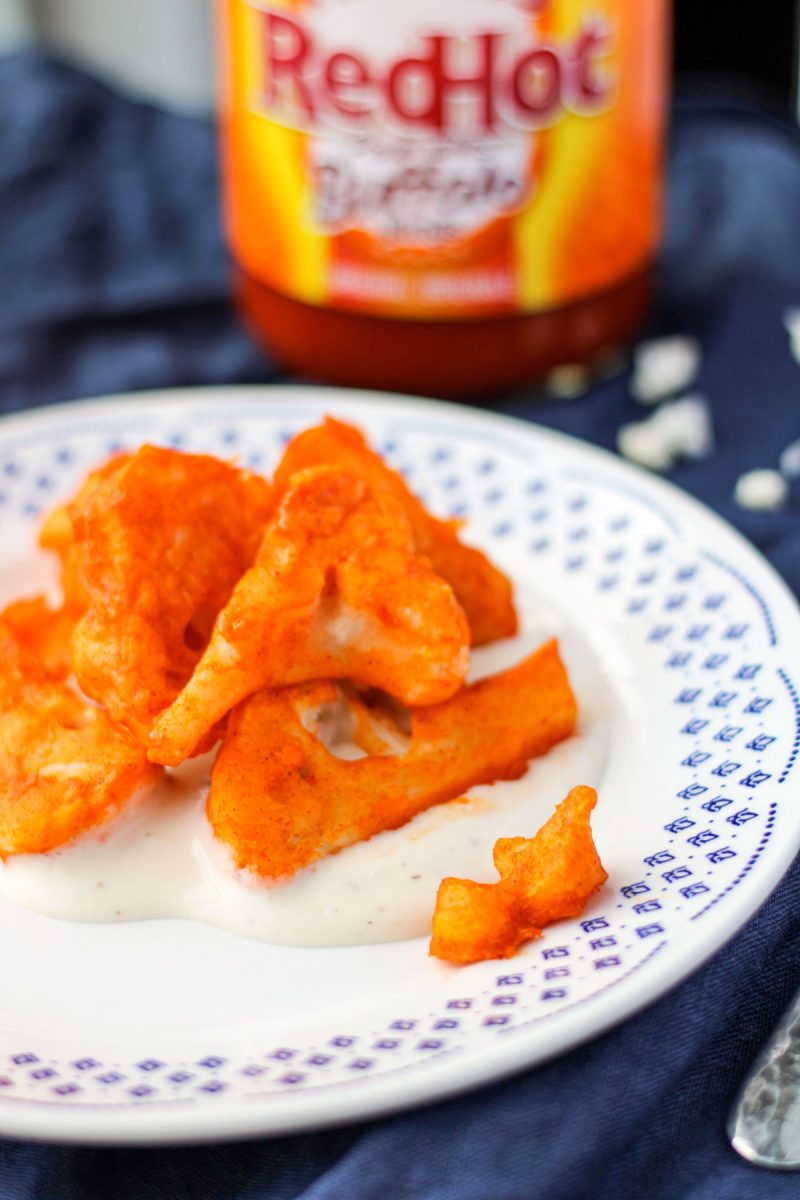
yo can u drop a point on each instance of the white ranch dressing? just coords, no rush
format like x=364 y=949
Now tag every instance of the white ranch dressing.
x=160 y=859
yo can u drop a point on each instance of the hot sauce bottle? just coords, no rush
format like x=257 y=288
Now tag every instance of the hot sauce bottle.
x=442 y=196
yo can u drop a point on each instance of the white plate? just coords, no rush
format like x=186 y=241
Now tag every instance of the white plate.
x=171 y=1031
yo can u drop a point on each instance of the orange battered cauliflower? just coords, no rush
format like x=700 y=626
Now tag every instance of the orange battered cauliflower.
x=336 y=592
x=481 y=589
x=543 y=879
x=64 y=768
x=280 y=799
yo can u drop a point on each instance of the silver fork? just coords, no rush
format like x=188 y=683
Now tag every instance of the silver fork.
x=764 y=1125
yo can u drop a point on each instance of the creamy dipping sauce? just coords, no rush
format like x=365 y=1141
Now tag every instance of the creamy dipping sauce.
x=160 y=859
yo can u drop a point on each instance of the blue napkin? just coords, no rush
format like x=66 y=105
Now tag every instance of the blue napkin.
x=114 y=278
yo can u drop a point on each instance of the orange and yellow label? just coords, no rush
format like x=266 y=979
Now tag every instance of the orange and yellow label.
x=437 y=159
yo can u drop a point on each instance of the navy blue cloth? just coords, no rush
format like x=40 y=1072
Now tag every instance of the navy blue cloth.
x=114 y=277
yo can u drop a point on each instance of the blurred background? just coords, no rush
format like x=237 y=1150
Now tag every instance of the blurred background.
x=161 y=49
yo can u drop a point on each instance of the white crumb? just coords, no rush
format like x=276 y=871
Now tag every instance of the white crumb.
x=568 y=380
x=789 y=461
x=791 y=321
x=664 y=366
x=763 y=490
x=680 y=429
x=641 y=444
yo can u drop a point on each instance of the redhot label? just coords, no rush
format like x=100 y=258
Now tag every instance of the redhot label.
x=472 y=157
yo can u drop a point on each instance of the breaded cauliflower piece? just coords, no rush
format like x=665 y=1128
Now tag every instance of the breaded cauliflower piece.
x=280 y=799
x=64 y=767
x=481 y=589
x=157 y=547
x=336 y=592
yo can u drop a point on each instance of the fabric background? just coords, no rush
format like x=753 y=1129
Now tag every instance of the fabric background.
x=114 y=278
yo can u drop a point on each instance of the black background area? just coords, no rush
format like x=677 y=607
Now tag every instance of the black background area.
x=752 y=46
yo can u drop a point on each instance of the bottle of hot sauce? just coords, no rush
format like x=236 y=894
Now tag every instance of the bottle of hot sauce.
x=442 y=196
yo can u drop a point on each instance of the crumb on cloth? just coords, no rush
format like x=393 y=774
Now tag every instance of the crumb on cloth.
x=663 y=367
x=677 y=430
x=762 y=490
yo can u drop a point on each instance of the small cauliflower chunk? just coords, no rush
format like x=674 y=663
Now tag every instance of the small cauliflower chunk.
x=543 y=879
